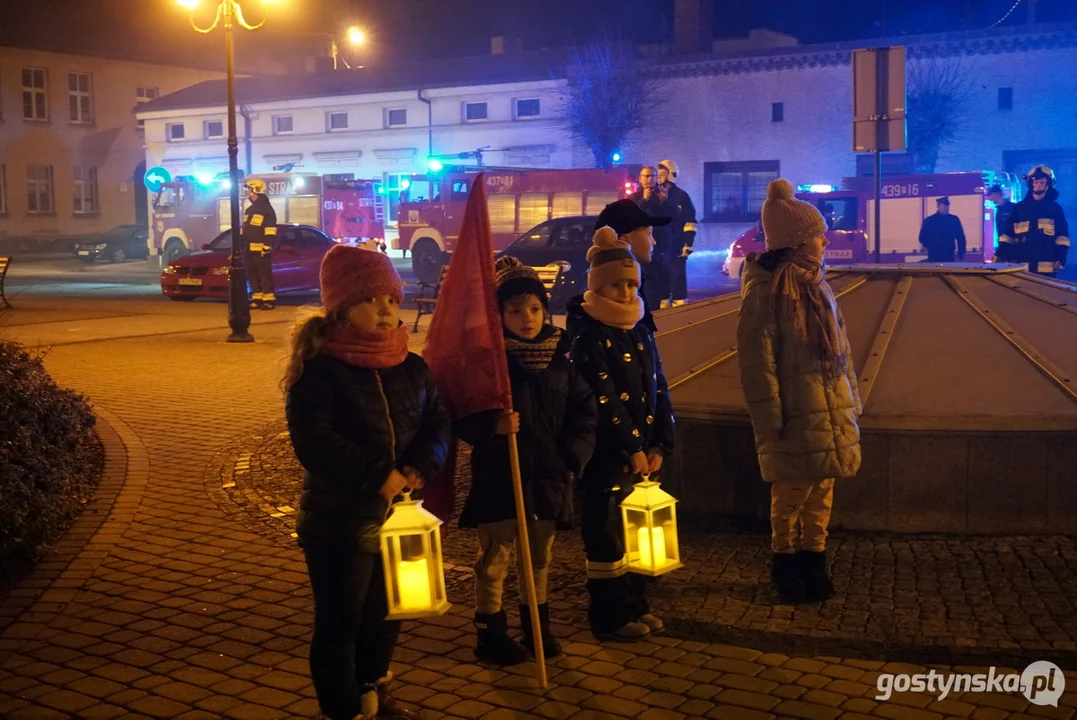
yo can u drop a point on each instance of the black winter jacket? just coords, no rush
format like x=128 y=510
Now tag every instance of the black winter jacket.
x=259 y=229
x=1036 y=232
x=350 y=428
x=556 y=439
x=635 y=412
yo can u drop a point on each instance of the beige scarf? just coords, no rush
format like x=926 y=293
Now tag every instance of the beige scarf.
x=615 y=314
x=797 y=289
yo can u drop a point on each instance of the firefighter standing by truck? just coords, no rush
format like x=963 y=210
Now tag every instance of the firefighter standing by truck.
x=1036 y=232
x=684 y=230
x=259 y=233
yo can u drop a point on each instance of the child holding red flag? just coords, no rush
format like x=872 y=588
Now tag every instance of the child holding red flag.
x=366 y=422
x=554 y=421
x=616 y=353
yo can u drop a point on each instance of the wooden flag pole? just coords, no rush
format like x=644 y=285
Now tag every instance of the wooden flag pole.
x=523 y=547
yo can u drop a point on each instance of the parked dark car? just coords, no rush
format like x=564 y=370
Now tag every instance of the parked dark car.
x=120 y=244
x=562 y=241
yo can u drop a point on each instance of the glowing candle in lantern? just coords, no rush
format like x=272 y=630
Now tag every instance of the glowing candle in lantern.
x=649 y=540
x=414 y=580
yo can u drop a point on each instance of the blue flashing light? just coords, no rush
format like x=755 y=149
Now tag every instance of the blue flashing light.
x=816 y=188
x=299 y=183
x=204 y=178
x=616 y=156
x=226 y=184
x=405 y=184
x=379 y=188
x=434 y=165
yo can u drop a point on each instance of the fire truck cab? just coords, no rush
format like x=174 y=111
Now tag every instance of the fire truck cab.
x=191 y=211
x=518 y=200
x=906 y=202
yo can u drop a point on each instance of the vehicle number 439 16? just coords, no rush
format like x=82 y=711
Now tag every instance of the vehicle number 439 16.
x=896 y=191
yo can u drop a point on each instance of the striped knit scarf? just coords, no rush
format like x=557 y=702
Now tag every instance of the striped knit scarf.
x=534 y=356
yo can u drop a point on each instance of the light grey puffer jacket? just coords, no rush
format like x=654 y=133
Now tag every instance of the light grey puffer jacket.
x=817 y=418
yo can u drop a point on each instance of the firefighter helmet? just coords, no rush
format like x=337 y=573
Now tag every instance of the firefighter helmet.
x=1041 y=172
x=670 y=166
x=256 y=186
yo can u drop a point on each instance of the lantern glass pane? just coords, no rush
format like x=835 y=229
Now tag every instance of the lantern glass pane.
x=665 y=521
x=413 y=574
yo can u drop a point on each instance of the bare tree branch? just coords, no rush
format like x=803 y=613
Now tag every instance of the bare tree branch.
x=937 y=108
x=606 y=97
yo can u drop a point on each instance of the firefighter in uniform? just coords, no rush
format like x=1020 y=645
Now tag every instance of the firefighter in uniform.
x=1036 y=231
x=259 y=234
x=684 y=230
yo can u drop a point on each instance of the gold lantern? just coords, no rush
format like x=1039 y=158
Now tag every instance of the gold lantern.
x=650 y=522
x=411 y=556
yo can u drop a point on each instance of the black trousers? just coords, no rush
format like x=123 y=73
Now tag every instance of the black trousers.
x=618 y=597
x=656 y=281
x=353 y=642
x=260 y=275
x=678 y=278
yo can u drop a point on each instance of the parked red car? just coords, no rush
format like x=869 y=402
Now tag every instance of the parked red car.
x=297 y=258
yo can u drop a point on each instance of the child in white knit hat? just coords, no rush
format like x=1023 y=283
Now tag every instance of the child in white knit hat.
x=616 y=353
x=798 y=380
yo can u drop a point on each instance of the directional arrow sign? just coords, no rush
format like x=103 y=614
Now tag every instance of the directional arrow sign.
x=156 y=177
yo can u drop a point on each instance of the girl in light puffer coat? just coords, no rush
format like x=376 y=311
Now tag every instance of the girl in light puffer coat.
x=798 y=379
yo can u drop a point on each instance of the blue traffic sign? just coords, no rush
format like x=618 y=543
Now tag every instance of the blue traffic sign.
x=156 y=177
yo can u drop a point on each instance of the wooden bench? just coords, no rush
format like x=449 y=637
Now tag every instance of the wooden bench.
x=426 y=305
x=550 y=275
x=5 y=263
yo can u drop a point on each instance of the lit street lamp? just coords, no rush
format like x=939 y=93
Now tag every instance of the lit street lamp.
x=356 y=37
x=239 y=313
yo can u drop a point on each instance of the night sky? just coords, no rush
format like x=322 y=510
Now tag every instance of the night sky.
x=156 y=30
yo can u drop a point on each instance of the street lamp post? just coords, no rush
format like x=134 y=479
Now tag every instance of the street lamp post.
x=239 y=313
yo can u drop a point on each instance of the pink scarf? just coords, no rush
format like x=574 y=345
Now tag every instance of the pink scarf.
x=376 y=350
x=615 y=314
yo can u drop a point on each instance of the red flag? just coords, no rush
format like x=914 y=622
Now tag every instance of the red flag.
x=465 y=347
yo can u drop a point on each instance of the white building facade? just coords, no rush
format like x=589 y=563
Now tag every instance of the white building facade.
x=733 y=120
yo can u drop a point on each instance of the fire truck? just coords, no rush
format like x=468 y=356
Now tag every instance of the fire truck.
x=907 y=200
x=518 y=200
x=191 y=211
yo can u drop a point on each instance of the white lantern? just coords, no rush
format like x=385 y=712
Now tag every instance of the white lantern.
x=411 y=556
x=650 y=523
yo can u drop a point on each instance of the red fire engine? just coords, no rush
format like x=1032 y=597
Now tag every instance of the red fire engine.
x=189 y=211
x=518 y=200
x=907 y=200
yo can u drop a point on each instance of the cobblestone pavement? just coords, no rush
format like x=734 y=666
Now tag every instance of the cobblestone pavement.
x=176 y=596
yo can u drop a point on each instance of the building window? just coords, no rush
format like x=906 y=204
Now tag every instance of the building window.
x=396 y=117
x=474 y=112
x=85 y=190
x=3 y=190
x=144 y=94
x=337 y=121
x=35 y=103
x=80 y=97
x=174 y=132
x=735 y=191
x=39 y=189
x=777 y=112
x=213 y=129
x=282 y=124
x=527 y=108
x=1005 y=98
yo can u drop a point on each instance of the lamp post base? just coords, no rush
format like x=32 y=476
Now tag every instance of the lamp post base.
x=244 y=337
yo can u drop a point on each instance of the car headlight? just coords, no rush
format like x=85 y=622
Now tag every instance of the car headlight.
x=219 y=270
x=171 y=270
x=100 y=246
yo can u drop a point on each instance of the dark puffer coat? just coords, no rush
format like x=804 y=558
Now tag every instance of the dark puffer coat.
x=634 y=408
x=556 y=439
x=350 y=428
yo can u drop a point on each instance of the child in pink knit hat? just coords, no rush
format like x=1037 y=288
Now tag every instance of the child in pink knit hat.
x=366 y=423
x=797 y=373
